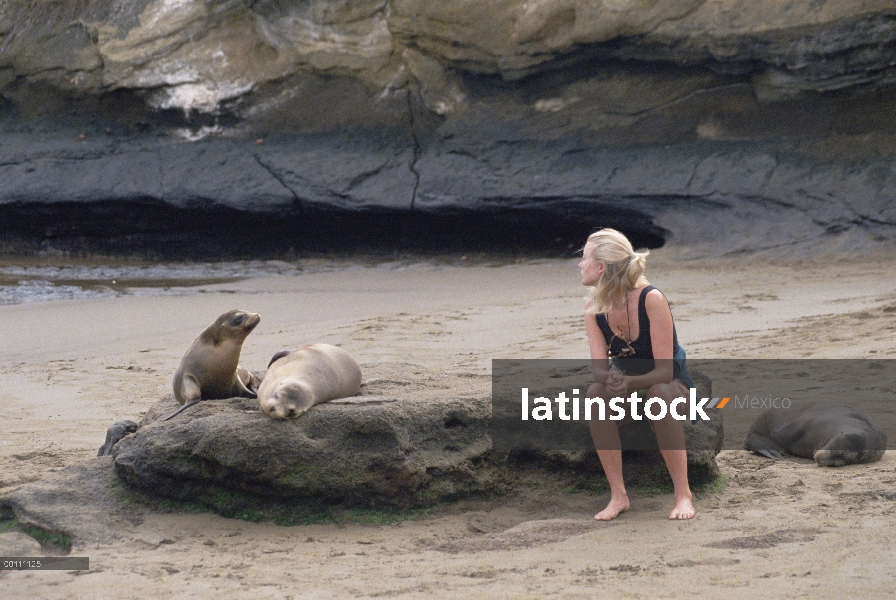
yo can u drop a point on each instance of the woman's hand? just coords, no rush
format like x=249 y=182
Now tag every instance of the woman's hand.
x=617 y=384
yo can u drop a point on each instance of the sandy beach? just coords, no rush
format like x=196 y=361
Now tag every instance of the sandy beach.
x=777 y=529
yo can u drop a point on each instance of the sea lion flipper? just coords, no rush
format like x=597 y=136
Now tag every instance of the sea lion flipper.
x=181 y=409
x=190 y=390
x=769 y=453
x=252 y=383
x=245 y=384
x=764 y=446
x=278 y=356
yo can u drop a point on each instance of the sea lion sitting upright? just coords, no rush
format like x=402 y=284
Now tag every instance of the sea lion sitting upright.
x=299 y=378
x=832 y=435
x=210 y=368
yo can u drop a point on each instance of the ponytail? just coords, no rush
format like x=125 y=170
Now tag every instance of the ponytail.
x=625 y=270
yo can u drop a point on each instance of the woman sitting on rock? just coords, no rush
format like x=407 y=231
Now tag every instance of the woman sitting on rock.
x=629 y=321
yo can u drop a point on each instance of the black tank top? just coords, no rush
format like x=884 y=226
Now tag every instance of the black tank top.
x=642 y=360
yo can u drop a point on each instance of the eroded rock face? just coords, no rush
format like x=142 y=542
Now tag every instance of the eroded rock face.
x=788 y=46
x=659 y=116
x=194 y=54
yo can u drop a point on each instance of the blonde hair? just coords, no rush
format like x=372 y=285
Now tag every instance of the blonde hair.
x=625 y=270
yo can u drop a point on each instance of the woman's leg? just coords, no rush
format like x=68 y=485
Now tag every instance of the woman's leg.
x=605 y=435
x=670 y=438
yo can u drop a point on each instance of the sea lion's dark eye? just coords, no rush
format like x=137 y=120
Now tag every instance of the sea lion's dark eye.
x=238 y=320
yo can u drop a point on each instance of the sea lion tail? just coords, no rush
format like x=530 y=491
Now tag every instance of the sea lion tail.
x=181 y=409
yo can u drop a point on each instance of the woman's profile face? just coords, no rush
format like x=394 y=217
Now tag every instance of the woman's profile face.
x=591 y=269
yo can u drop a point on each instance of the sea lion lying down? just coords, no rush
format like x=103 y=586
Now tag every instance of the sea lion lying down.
x=299 y=378
x=832 y=435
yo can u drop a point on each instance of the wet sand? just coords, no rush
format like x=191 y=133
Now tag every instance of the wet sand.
x=778 y=529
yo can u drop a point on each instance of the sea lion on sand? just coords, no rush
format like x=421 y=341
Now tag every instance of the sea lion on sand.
x=115 y=434
x=209 y=370
x=299 y=378
x=832 y=435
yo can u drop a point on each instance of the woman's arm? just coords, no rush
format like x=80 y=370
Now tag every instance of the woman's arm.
x=597 y=345
x=660 y=316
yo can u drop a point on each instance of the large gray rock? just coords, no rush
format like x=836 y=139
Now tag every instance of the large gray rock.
x=409 y=440
x=402 y=442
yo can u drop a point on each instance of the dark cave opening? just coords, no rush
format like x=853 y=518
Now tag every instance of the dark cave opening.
x=153 y=229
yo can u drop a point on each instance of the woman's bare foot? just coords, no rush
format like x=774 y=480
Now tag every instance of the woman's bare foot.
x=617 y=505
x=684 y=508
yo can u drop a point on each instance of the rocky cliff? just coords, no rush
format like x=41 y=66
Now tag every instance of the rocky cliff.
x=713 y=125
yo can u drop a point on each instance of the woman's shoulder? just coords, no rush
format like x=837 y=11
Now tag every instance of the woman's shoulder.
x=648 y=291
x=654 y=298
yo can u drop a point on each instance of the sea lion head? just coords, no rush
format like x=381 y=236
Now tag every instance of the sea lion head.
x=851 y=448
x=290 y=399
x=233 y=325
